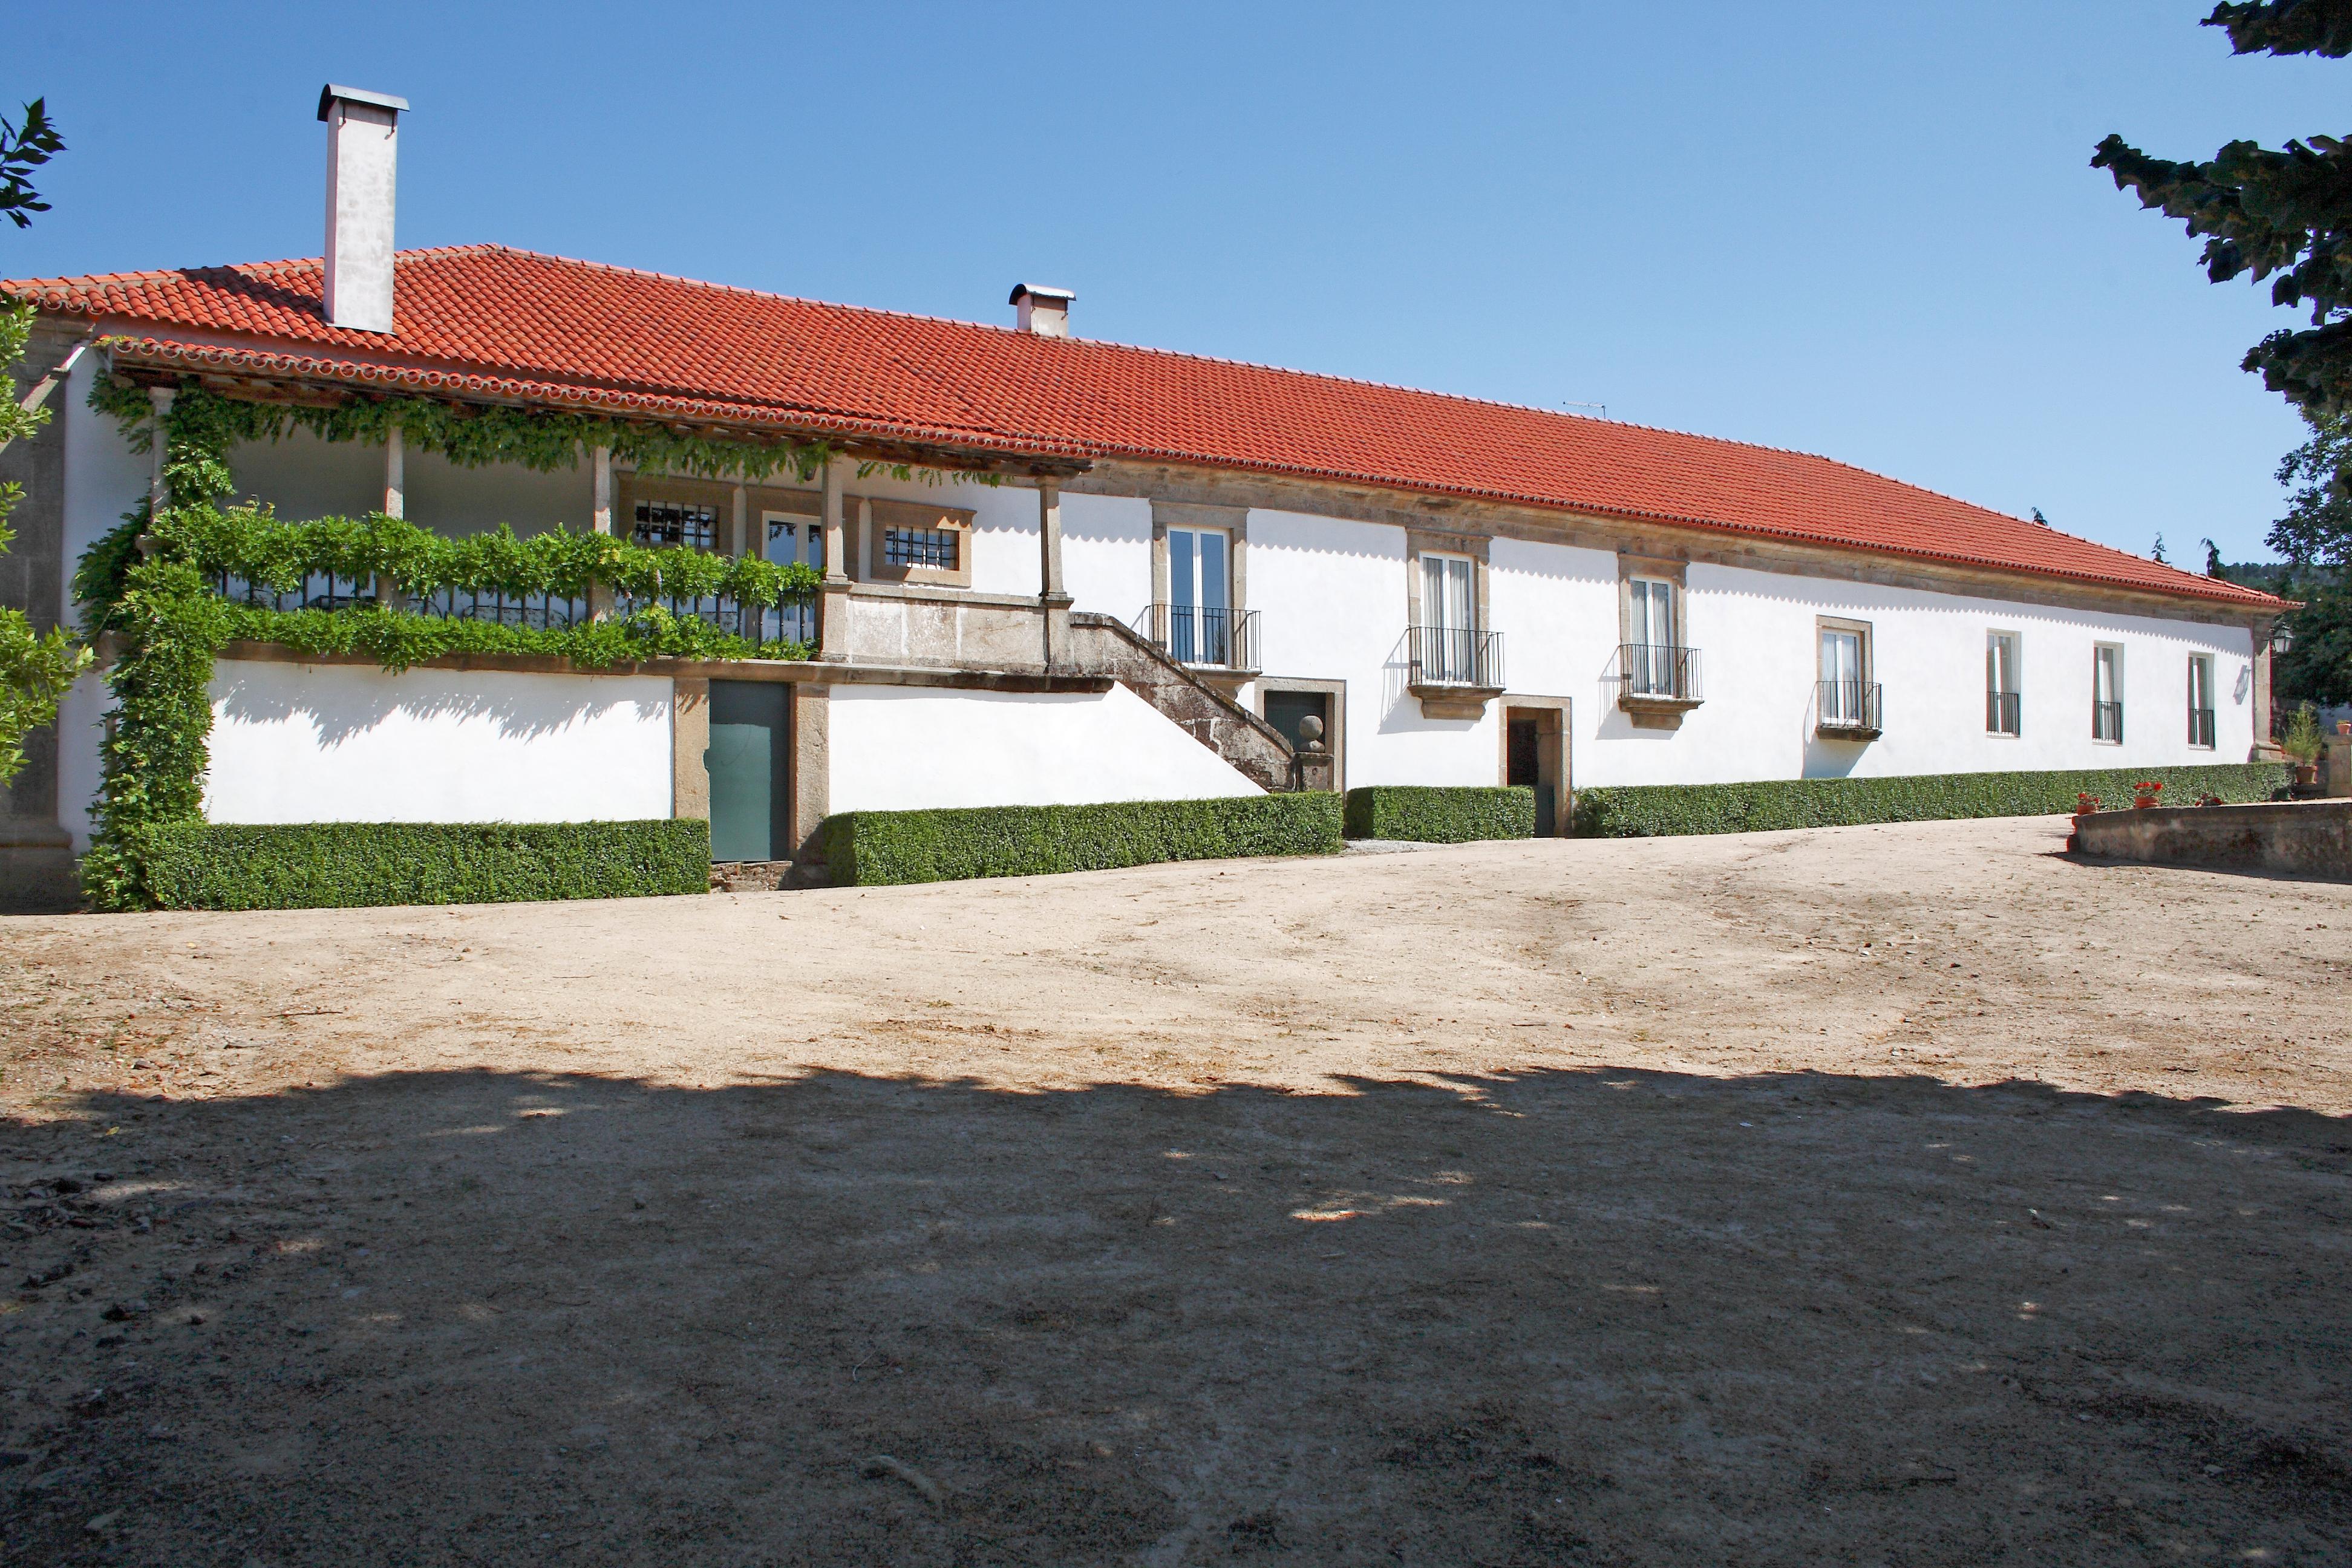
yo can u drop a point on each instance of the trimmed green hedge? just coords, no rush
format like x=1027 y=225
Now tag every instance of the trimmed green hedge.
x=1434 y=815
x=1643 y=811
x=336 y=865
x=870 y=848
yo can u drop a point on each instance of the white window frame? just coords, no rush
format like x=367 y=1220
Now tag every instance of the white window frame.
x=2202 y=664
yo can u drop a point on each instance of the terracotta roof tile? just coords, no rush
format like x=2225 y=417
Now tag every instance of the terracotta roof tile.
x=516 y=323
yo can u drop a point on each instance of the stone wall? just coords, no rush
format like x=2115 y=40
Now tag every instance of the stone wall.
x=2310 y=838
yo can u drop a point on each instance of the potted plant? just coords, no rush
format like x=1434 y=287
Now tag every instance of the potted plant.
x=2302 y=744
x=2144 y=793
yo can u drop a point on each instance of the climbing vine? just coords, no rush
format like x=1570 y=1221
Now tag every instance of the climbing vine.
x=154 y=582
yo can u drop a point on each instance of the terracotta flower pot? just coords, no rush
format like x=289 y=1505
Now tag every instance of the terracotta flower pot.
x=2306 y=774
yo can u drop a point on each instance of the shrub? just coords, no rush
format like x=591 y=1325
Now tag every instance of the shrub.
x=335 y=864
x=1440 y=815
x=870 y=848
x=1643 y=811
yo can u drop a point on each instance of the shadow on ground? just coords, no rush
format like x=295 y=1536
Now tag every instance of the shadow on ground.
x=1574 y=1317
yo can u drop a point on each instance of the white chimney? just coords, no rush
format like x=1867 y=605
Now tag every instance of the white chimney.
x=362 y=157
x=1043 y=310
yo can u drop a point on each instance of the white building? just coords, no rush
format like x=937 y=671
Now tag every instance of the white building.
x=1463 y=593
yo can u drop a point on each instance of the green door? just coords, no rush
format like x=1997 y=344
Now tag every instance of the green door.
x=747 y=761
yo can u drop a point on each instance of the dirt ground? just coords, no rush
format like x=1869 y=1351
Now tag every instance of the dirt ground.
x=1878 y=1195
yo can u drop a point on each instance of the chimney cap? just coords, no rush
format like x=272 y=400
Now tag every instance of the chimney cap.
x=1043 y=291
x=331 y=93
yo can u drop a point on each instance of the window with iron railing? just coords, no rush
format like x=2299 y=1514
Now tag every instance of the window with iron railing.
x=2004 y=710
x=2200 y=700
x=1198 y=634
x=661 y=523
x=2107 y=693
x=1849 y=706
x=936 y=548
x=1657 y=673
x=1456 y=656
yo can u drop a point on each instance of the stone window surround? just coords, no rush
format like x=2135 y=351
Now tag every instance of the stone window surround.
x=1232 y=520
x=1335 y=739
x=1476 y=546
x=1840 y=624
x=1657 y=568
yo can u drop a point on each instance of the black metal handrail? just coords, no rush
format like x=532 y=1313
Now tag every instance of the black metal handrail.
x=1193 y=634
x=2201 y=727
x=2003 y=715
x=1849 y=706
x=793 y=619
x=1455 y=655
x=546 y=612
x=1658 y=672
x=2108 y=721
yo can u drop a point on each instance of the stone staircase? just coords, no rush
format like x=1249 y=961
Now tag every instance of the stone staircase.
x=1256 y=749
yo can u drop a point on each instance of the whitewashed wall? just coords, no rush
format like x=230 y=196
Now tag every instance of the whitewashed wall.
x=903 y=748
x=295 y=742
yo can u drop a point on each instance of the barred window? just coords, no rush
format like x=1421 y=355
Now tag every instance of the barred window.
x=934 y=547
x=662 y=523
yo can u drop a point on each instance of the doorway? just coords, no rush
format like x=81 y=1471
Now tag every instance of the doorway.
x=748 y=761
x=1535 y=754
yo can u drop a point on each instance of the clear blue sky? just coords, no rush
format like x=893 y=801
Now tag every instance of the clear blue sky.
x=1860 y=230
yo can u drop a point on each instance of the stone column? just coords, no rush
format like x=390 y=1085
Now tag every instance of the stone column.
x=600 y=597
x=395 y=504
x=740 y=544
x=1052 y=599
x=2265 y=749
x=811 y=776
x=833 y=607
x=157 y=492
x=689 y=733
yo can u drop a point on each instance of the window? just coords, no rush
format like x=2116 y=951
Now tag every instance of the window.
x=794 y=538
x=663 y=523
x=935 y=548
x=2200 y=700
x=1200 y=596
x=1449 y=620
x=2108 y=694
x=2003 y=715
x=1846 y=699
x=1651 y=667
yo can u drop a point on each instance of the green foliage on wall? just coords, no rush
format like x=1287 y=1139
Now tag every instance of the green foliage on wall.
x=336 y=865
x=866 y=847
x=151 y=583
x=1643 y=811
x=1430 y=814
x=35 y=668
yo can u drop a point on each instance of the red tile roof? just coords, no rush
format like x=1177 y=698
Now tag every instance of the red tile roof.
x=516 y=324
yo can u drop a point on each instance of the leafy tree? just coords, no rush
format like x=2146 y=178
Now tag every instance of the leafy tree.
x=2284 y=215
x=21 y=153
x=2157 y=553
x=35 y=671
x=2316 y=534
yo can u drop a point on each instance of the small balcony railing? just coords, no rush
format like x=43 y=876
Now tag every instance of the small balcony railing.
x=1651 y=675
x=2003 y=715
x=1456 y=657
x=1190 y=633
x=1848 y=710
x=2108 y=721
x=2201 y=727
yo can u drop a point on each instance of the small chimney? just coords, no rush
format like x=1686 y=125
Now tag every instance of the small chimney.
x=1043 y=310
x=362 y=157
